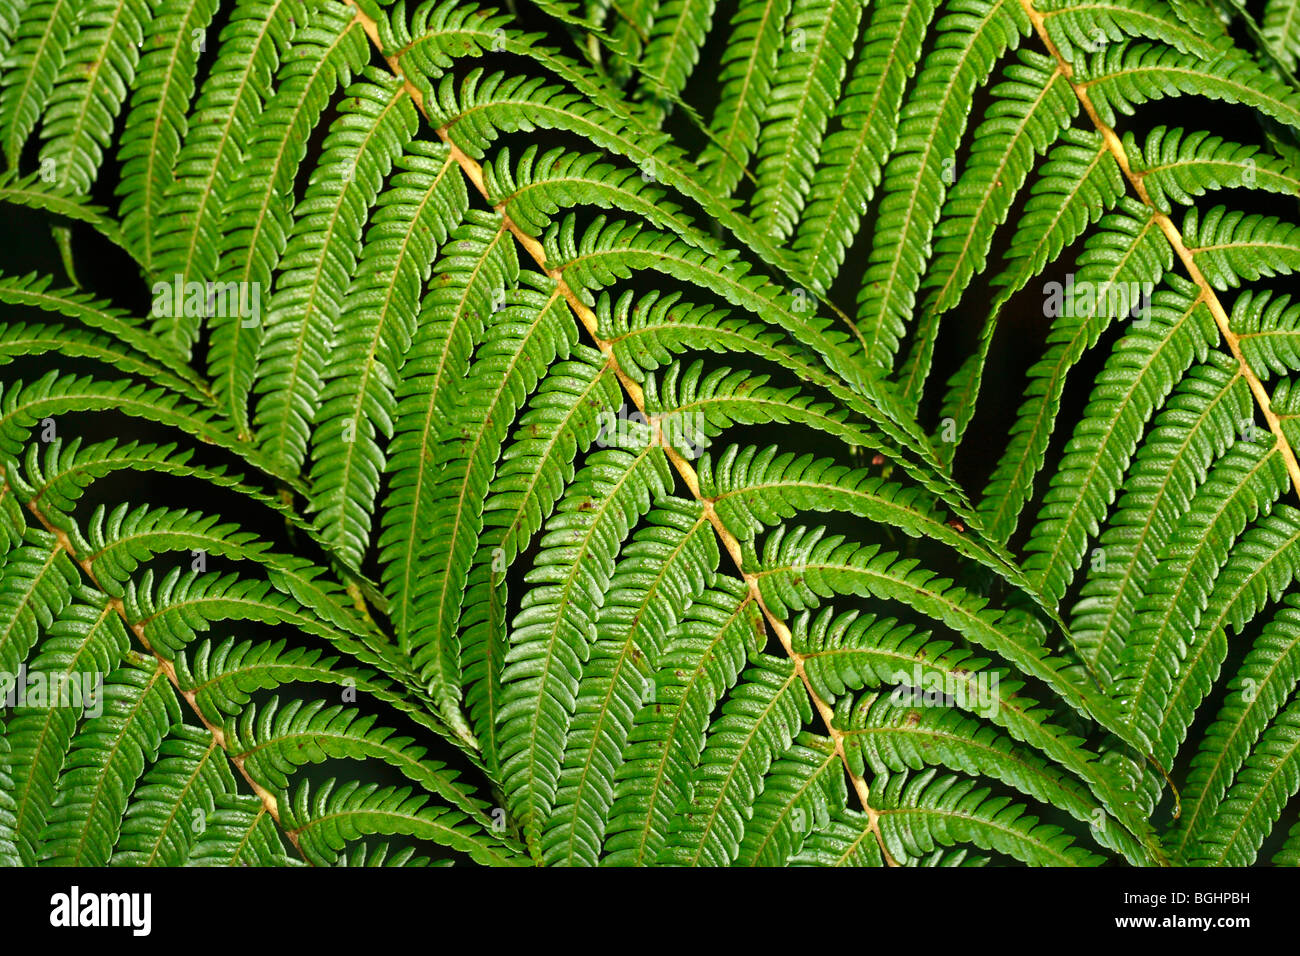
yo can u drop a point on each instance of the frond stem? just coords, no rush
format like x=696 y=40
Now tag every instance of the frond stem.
x=268 y=799
x=474 y=172
x=1230 y=338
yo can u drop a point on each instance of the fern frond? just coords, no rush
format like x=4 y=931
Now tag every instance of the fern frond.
x=108 y=755
x=971 y=40
x=440 y=487
x=1243 y=483
x=322 y=253
x=38 y=581
x=1143 y=368
x=87 y=637
x=556 y=626
x=1255 y=697
x=801 y=565
x=239 y=832
x=924 y=812
x=854 y=157
x=157 y=120
x=811 y=67
x=671 y=559
x=757 y=724
x=672 y=46
x=1176 y=166
x=894 y=738
x=802 y=787
x=1202 y=417
x=324 y=823
x=749 y=64
x=33 y=62
x=1034 y=107
x=848 y=652
x=845 y=840
x=1231 y=246
x=376 y=325
x=78 y=120
x=176 y=798
x=35 y=291
x=529 y=333
x=187 y=232
x=1281 y=24
x=1262 y=565
x=1267 y=780
x=326 y=53
x=273 y=740
x=25 y=191
x=1124 y=76
x=720 y=631
x=1129 y=254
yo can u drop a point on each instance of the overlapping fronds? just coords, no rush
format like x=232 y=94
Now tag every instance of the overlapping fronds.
x=802 y=432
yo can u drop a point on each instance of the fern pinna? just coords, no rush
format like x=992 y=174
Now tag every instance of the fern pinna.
x=572 y=437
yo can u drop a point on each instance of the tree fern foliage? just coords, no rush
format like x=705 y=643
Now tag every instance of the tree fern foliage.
x=762 y=432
